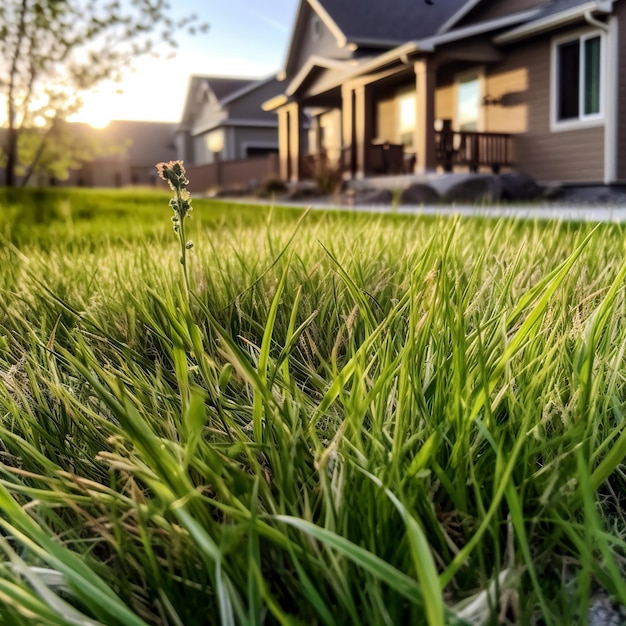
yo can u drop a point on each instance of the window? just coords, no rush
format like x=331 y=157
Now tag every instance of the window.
x=259 y=151
x=468 y=103
x=406 y=118
x=577 y=79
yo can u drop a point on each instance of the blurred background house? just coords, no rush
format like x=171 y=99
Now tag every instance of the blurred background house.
x=129 y=152
x=78 y=155
x=401 y=88
x=225 y=138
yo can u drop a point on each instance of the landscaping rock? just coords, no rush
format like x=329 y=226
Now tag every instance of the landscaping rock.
x=469 y=188
x=303 y=193
x=603 y=613
x=375 y=196
x=552 y=192
x=419 y=193
x=517 y=186
x=602 y=195
x=233 y=192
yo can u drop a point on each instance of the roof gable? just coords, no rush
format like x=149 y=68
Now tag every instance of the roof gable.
x=216 y=100
x=314 y=34
x=248 y=102
x=313 y=67
x=213 y=90
x=222 y=86
x=371 y=24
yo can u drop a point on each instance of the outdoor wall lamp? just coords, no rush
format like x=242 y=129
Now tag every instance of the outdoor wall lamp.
x=491 y=101
x=215 y=141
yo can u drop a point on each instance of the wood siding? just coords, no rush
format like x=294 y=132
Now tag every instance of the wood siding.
x=387 y=126
x=307 y=45
x=249 y=106
x=521 y=84
x=387 y=111
x=445 y=97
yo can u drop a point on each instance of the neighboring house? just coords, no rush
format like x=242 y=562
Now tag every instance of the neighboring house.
x=225 y=138
x=401 y=86
x=120 y=154
x=223 y=118
x=130 y=151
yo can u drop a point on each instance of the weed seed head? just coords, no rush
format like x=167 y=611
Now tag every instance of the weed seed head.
x=173 y=173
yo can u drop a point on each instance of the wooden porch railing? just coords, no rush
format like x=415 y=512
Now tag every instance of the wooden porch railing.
x=474 y=150
x=453 y=149
x=314 y=164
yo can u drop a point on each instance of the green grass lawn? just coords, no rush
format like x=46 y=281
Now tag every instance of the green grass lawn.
x=349 y=419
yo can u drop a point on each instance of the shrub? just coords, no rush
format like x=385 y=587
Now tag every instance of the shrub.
x=272 y=187
x=327 y=174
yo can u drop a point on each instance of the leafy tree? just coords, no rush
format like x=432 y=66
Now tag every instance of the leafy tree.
x=53 y=151
x=51 y=51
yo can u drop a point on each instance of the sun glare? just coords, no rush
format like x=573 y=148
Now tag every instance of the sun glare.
x=98 y=122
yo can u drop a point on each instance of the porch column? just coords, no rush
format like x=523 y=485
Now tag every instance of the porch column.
x=358 y=126
x=290 y=140
x=359 y=131
x=348 y=140
x=295 y=136
x=283 y=144
x=426 y=85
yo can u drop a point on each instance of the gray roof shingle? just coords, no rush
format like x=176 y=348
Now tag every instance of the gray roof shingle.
x=556 y=6
x=223 y=87
x=390 y=20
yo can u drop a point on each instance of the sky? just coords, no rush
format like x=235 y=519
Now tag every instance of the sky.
x=246 y=38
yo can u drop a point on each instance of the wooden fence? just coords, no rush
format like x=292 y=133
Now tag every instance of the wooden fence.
x=233 y=175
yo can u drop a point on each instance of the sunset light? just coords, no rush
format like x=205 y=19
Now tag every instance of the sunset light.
x=155 y=89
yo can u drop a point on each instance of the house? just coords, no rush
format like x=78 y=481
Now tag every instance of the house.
x=401 y=86
x=224 y=133
x=120 y=154
x=129 y=150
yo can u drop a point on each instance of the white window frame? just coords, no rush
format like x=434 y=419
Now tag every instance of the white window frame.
x=462 y=77
x=584 y=120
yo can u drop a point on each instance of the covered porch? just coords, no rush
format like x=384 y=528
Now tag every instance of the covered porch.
x=454 y=151
x=410 y=113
